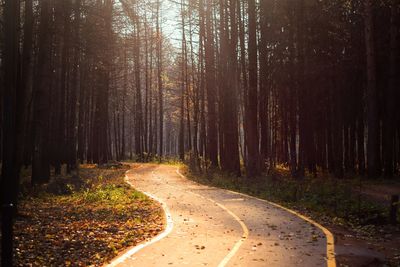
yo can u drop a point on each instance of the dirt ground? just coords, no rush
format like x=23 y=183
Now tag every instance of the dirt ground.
x=377 y=246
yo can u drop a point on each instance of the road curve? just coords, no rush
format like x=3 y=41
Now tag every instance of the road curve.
x=215 y=227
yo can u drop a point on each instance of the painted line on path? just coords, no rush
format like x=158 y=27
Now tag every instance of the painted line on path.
x=245 y=234
x=330 y=241
x=168 y=229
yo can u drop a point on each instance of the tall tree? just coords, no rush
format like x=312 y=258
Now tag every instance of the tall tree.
x=9 y=169
x=72 y=114
x=182 y=84
x=372 y=96
x=100 y=133
x=41 y=108
x=212 y=136
x=229 y=123
x=253 y=156
x=138 y=94
x=159 y=55
x=389 y=122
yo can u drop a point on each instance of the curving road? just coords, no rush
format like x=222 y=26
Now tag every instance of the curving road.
x=214 y=227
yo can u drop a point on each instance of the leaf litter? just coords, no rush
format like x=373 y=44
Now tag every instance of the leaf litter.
x=88 y=227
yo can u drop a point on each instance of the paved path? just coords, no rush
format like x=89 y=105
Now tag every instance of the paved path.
x=215 y=227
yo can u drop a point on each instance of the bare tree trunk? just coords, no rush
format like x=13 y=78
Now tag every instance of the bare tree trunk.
x=253 y=156
x=71 y=130
x=195 y=87
x=160 y=82
x=389 y=122
x=181 y=138
x=151 y=124
x=292 y=95
x=138 y=99
x=372 y=97
x=63 y=113
x=231 y=162
x=124 y=95
x=24 y=87
x=147 y=87
x=187 y=93
x=202 y=106
x=40 y=163
x=100 y=125
x=9 y=174
x=212 y=137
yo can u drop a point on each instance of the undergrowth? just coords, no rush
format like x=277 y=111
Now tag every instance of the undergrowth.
x=148 y=158
x=111 y=194
x=324 y=196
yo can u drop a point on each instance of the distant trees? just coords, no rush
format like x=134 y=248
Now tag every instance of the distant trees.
x=311 y=85
x=307 y=84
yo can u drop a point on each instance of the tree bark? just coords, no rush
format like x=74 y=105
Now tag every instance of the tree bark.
x=40 y=163
x=389 y=122
x=253 y=156
x=9 y=173
x=371 y=98
x=212 y=136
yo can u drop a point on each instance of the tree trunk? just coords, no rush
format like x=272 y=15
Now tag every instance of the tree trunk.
x=372 y=97
x=212 y=137
x=390 y=122
x=138 y=95
x=160 y=83
x=181 y=143
x=71 y=130
x=40 y=163
x=9 y=174
x=253 y=157
x=231 y=162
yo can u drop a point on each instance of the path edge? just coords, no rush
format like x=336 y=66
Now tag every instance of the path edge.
x=133 y=250
x=330 y=241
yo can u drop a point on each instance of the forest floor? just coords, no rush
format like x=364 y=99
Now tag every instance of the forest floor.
x=83 y=220
x=354 y=210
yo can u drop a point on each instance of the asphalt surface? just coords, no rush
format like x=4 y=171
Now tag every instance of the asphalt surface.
x=215 y=227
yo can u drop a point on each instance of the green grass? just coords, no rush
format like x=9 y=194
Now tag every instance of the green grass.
x=111 y=194
x=155 y=159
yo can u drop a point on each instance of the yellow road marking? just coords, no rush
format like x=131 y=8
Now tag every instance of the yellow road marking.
x=330 y=244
